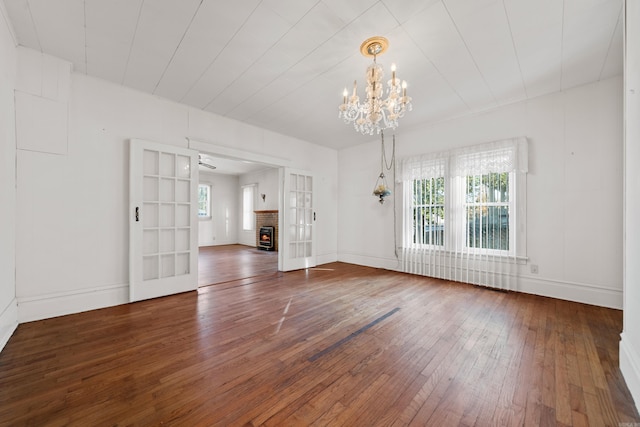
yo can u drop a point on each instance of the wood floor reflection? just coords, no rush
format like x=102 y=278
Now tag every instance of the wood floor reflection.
x=220 y=264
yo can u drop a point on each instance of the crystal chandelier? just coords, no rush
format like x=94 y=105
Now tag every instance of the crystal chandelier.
x=375 y=113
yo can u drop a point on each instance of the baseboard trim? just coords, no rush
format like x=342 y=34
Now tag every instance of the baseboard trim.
x=369 y=261
x=326 y=258
x=41 y=307
x=8 y=322
x=571 y=291
x=630 y=368
x=564 y=290
x=221 y=243
x=63 y=303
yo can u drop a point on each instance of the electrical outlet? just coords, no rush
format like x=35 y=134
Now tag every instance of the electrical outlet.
x=534 y=268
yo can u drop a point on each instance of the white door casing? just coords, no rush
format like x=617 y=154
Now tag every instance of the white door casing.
x=163 y=225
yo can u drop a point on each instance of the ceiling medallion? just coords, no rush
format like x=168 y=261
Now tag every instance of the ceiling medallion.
x=375 y=113
x=374 y=46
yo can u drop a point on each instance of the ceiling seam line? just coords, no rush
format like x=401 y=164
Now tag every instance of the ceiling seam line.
x=84 y=17
x=613 y=34
x=35 y=29
x=473 y=59
x=221 y=50
x=562 y=49
x=301 y=59
x=293 y=65
x=173 y=55
x=288 y=93
x=435 y=67
x=133 y=40
x=391 y=13
x=10 y=27
x=261 y=56
x=515 y=50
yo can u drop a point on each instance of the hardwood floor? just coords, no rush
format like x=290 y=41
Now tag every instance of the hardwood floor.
x=336 y=345
x=219 y=264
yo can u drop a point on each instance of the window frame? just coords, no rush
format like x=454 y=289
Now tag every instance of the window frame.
x=461 y=183
x=208 y=212
x=431 y=206
x=455 y=223
x=248 y=211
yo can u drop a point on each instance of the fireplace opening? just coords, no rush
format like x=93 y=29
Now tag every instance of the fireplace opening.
x=266 y=239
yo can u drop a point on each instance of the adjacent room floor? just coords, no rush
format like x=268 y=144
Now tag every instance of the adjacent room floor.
x=219 y=264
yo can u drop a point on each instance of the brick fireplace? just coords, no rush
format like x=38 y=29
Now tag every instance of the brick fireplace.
x=267 y=219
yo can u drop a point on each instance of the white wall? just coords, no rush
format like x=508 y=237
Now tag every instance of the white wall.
x=630 y=343
x=266 y=181
x=574 y=197
x=8 y=304
x=222 y=227
x=72 y=244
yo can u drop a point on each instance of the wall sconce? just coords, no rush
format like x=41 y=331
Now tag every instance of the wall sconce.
x=264 y=196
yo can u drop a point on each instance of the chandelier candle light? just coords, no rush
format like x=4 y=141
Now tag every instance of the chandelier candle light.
x=375 y=113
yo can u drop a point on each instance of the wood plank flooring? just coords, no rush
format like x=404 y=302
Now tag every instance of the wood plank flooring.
x=241 y=353
x=219 y=264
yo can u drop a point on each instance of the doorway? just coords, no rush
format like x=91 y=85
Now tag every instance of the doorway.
x=297 y=209
x=227 y=235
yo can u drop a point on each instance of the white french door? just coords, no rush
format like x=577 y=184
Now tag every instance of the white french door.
x=298 y=221
x=163 y=233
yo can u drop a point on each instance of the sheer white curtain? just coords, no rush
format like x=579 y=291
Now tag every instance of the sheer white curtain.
x=423 y=252
x=464 y=213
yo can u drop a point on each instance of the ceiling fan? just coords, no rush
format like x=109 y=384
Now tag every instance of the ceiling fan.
x=206 y=165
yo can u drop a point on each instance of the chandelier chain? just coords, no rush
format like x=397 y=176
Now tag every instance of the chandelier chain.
x=384 y=165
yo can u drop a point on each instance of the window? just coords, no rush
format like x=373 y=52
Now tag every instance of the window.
x=487 y=207
x=464 y=213
x=463 y=200
x=428 y=211
x=204 y=201
x=248 y=216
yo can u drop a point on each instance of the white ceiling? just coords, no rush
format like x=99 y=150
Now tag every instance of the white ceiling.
x=282 y=64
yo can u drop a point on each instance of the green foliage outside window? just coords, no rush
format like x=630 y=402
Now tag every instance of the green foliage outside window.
x=487 y=208
x=428 y=211
x=204 y=201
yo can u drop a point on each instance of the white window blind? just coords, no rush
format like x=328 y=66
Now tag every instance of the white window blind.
x=464 y=212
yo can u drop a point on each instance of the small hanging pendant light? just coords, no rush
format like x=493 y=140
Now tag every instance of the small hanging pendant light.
x=382 y=189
